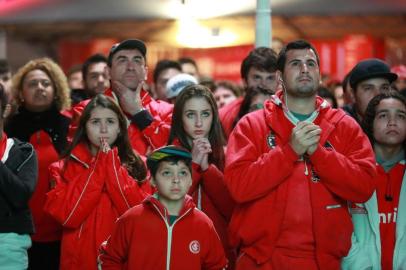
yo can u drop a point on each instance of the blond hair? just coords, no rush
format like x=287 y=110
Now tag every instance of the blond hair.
x=55 y=73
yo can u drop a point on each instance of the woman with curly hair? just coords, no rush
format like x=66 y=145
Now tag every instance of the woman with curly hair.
x=41 y=93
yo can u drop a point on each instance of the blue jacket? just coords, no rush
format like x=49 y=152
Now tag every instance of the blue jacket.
x=365 y=252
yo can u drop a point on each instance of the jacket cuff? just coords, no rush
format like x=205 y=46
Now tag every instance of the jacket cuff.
x=319 y=154
x=142 y=119
x=289 y=152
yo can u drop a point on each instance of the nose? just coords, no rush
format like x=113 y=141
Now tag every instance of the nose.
x=100 y=78
x=391 y=121
x=103 y=127
x=130 y=65
x=175 y=179
x=40 y=85
x=304 y=68
x=198 y=122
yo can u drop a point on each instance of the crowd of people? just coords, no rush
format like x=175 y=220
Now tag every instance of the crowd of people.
x=100 y=170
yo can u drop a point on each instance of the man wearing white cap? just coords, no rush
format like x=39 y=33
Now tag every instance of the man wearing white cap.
x=176 y=84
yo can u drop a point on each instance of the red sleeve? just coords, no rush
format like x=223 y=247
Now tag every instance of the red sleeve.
x=123 y=190
x=349 y=175
x=114 y=252
x=75 y=112
x=215 y=258
x=73 y=199
x=252 y=172
x=215 y=188
x=157 y=133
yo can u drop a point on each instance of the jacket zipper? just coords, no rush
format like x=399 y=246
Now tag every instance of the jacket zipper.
x=83 y=191
x=169 y=228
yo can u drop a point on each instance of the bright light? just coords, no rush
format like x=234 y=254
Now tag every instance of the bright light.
x=204 y=9
x=194 y=35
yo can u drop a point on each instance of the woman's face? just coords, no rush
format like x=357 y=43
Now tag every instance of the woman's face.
x=103 y=124
x=197 y=117
x=390 y=122
x=38 y=91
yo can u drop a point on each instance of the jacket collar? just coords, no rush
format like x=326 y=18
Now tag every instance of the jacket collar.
x=153 y=201
x=145 y=97
x=82 y=154
x=276 y=118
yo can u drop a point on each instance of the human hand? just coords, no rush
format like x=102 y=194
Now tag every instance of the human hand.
x=305 y=138
x=201 y=149
x=130 y=101
x=104 y=145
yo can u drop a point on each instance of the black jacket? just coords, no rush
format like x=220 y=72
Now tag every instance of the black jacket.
x=18 y=177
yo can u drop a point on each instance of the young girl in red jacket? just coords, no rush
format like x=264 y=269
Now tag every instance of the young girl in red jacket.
x=166 y=231
x=196 y=127
x=95 y=184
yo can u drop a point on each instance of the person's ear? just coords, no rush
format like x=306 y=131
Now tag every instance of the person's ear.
x=7 y=111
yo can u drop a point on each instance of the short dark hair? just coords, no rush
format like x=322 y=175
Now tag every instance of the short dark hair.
x=228 y=85
x=294 y=45
x=261 y=58
x=163 y=65
x=95 y=58
x=153 y=168
x=187 y=60
x=4 y=66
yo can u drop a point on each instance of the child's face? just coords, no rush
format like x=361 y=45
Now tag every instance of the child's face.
x=390 y=122
x=172 y=180
x=103 y=124
x=197 y=117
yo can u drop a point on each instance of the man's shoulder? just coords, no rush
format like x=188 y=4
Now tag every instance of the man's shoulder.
x=135 y=213
x=200 y=218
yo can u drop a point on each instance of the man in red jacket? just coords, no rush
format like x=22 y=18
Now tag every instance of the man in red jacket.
x=291 y=167
x=258 y=71
x=149 y=119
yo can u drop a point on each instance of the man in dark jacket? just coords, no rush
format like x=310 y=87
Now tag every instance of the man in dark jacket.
x=18 y=176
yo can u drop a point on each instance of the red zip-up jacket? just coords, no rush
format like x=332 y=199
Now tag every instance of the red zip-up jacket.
x=260 y=163
x=144 y=139
x=213 y=198
x=210 y=194
x=143 y=239
x=90 y=194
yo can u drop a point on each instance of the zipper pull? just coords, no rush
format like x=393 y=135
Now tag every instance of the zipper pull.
x=306 y=171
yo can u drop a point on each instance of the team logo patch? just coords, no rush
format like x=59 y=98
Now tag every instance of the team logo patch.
x=315 y=177
x=271 y=140
x=194 y=247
